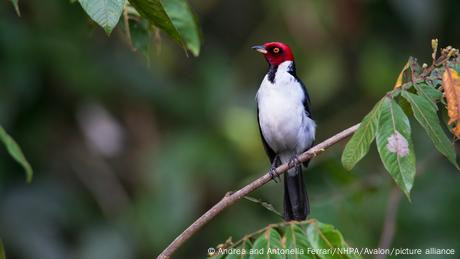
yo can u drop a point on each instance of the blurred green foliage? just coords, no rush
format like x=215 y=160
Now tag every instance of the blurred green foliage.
x=16 y=153
x=183 y=130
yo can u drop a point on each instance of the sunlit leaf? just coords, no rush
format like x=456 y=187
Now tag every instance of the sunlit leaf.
x=434 y=47
x=359 y=144
x=106 y=13
x=393 y=138
x=15 y=151
x=451 y=85
x=427 y=117
x=403 y=74
x=175 y=18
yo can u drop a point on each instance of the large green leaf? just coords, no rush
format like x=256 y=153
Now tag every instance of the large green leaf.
x=175 y=18
x=359 y=144
x=106 y=13
x=296 y=238
x=395 y=146
x=15 y=151
x=429 y=92
x=16 y=6
x=426 y=115
x=326 y=237
x=268 y=243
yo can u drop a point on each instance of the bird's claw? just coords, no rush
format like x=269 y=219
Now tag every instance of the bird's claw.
x=273 y=174
x=293 y=161
x=319 y=151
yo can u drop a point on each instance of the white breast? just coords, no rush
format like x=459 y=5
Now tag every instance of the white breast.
x=283 y=121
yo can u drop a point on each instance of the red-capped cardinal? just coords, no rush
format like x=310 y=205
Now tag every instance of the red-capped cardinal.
x=285 y=123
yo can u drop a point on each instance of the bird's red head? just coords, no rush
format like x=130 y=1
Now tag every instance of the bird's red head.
x=275 y=52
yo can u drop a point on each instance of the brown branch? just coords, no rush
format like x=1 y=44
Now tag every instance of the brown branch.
x=389 y=225
x=231 y=197
x=128 y=31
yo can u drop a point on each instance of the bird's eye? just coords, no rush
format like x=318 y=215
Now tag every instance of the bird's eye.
x=276 y=50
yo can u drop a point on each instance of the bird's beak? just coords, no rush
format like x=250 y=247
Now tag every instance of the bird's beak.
x=260 y=48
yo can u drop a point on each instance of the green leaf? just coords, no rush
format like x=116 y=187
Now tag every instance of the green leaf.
x=426 y=115
x=395 y=145
x=268 y=243
x=325 y=236
x=106 y=13
x=244 y=250
x=300 y=240
x=359 y=144
x=296 y=238
x=175 y=18
x=15 y=151
x=429 y=92
x=16 y=6
x=141 y=37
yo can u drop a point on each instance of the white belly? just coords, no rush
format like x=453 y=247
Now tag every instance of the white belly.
x=285 y=125
x=283 y=121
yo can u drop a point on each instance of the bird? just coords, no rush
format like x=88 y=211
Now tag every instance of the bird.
x=285 y=124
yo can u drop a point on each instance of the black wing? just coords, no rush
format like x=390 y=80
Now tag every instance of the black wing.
x=306 y=101
x=306 y=104
x=270 y=153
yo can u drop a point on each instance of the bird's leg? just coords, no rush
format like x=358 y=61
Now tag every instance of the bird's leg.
x=293 y=161
x=272 y=171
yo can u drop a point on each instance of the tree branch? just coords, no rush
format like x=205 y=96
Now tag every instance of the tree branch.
x=389 y=225
x=231 y=197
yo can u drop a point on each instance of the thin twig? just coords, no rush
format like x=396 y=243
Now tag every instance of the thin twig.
x=389 y=225
x=264 y=204
x=128 y=31
x=390 y=221
x=231 y=197
x=257 y=232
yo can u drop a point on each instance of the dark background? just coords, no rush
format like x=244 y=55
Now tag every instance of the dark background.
x=128 y=152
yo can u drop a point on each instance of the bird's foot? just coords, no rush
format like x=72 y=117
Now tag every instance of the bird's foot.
x=273 y=174
x=319 y=151
x=293 y=161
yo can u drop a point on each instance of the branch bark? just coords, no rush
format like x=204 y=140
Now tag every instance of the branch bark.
x=231 y=197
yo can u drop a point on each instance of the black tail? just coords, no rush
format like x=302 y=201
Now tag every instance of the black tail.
x=296 y=205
